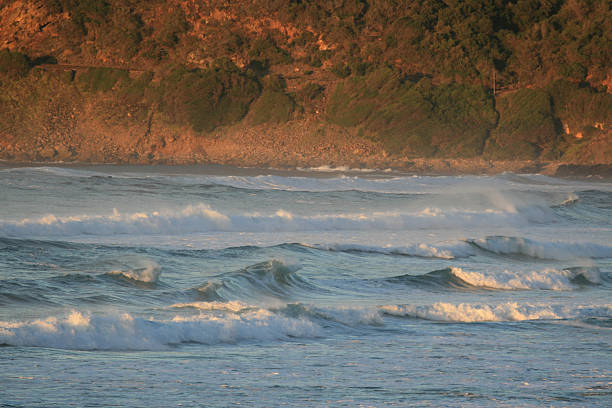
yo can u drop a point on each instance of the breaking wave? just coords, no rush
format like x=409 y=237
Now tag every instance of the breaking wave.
x=140 y=270
x=548 y=279
x=505 y=312
x=233 y=322
x=458 y=250
x=82 y=331
x=202 y=218
x=557 y=250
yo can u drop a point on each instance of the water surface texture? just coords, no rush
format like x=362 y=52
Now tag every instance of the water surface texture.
x=208 y=286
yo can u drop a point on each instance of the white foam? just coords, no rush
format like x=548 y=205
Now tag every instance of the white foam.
x=560 y=250
x=233 y=306
x=423 y=250
x=505 y=312
x=548 y=279
x=143 y=270
x=82 y=331
x=202 y=218
x=341 y=169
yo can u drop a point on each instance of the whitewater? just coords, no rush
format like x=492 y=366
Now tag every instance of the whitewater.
x=215 y=286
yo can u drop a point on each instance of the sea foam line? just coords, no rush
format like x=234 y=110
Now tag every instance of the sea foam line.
x=202 y=218
x=504 y=312
x=547 y=279
x=560 y=250
x=449 y=251
x=83 y=331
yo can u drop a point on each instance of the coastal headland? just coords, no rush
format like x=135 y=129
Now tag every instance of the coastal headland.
x=429 y=87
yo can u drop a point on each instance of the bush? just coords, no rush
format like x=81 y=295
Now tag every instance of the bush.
x=206 y=99
x=580 y=105
x=274 y=105
x=340 y=69
x=419 y=119
x=14 y=64
x=310 y=92
x=122 y=33
x=85 y=11
x=133 y=90
x=526 y=126
x=265 y=49
x=101 y=79
x=304 y=38
x=174 y=24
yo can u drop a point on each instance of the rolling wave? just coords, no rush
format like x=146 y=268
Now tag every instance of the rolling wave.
x=272 y=278
x=459 y=250
x=233 y=322
x=83 y=331
x=555 y=250
x=201 y=218
x=142 y=270
x=504 y=312
x=313 y=180
x=548 y=279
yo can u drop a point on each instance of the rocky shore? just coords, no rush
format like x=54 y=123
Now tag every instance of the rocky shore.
x=297 y=144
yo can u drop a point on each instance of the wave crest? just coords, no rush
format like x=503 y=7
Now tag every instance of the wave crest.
x=201 y=218
x=419 y=250
x=82 y=331
x=505 y=312
x=547 y=279
x=273 y=278
x=138 y=270
x=556 y=250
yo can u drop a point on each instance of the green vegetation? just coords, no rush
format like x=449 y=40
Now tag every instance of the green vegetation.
x=415 y=118
x=580 y=106
x=526 y=126
x=504 y=79
x=266 y=50
x=14 y=64
x=206 y=99
x=274 y=105
x=101 y=79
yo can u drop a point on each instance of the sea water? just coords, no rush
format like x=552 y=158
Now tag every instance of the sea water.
x=212 y=286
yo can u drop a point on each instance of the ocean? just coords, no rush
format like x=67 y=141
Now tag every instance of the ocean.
x=208 y=286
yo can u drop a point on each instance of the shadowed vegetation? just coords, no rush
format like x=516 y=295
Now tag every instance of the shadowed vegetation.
x=505 y=79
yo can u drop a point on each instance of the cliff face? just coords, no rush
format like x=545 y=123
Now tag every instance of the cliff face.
x=357 y=83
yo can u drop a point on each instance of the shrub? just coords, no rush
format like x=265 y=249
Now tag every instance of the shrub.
x=265 y=49
x=273 y=105
x=580 y=105
x=84 y=11
x=526 y=126
x=14 y=64
x=133 y=90
x=174 y=24
x=206 y=99
x=101 y=79
x=304 y=38
x=420 y=119
x=122 y=33
x=310 y=92
x=340 y=69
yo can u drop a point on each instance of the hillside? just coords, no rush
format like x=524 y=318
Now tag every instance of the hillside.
x=298 y=83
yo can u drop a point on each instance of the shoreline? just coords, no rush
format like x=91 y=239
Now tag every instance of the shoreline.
x=305 y=144
x=420 y=167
